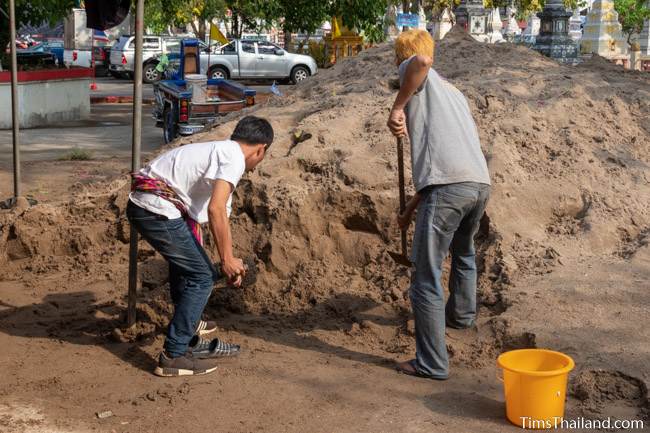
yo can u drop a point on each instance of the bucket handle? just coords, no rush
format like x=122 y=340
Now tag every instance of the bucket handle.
x=499 y=378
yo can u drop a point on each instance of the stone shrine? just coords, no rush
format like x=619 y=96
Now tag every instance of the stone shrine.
x=644 y=37
x=575 y=25
x=443 y=25
x=495 y=27
x=512 y=28
x=532 y=29
x=553 y=40
x=472 y=16
x=602 y=33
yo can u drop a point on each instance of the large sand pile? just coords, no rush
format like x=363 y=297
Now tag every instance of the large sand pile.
x=568 y=150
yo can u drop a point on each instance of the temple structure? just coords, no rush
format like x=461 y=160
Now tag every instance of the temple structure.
x=495 y=27
x=512 y=28
x=602 y=32
x=473 y=17
x=553 y=39
x=532 y=28
x=575 y=25
x=443 y=25
x=644 y=37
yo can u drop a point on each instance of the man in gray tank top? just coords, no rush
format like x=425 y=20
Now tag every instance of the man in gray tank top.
x=452 y=186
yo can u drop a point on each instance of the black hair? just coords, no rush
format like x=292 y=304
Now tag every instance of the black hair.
x=253 y=130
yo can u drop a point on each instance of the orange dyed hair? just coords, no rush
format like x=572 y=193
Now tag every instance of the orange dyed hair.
x=414 y=42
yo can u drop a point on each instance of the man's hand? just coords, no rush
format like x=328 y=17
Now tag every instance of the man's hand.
x=404 y=219
x=218 y=218
x=397 y=122
x=235 y=270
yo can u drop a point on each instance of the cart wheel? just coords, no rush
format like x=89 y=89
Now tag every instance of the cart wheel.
x=170 y=131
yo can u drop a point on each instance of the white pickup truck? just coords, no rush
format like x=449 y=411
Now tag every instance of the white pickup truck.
x=256 y=60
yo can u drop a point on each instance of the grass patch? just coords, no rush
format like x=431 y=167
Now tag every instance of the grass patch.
x=77 y=154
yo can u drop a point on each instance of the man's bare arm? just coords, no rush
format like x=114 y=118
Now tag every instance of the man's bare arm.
x=220 y=227
x=416 y=72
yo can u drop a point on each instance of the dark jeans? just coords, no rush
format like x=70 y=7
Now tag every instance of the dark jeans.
x=448 y=217
x=191 y=273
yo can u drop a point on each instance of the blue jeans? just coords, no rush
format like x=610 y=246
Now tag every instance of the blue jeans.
x=448 y=217
x=191 y=273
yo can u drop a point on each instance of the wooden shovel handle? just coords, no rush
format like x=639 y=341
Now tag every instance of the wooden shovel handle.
x=402 y=190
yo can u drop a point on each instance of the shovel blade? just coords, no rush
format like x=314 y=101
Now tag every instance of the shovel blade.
x=400 y=259
x=250 y=278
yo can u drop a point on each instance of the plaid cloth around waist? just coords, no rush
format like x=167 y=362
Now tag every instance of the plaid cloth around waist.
x=142 y=183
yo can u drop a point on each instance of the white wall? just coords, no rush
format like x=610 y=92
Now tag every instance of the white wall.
x=46 y=102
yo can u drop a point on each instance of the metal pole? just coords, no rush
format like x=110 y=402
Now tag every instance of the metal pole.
x=209 y=50
x=15 y=120
x=135 y=154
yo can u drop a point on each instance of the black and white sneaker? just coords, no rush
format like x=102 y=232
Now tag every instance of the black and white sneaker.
x=186 y=365
x=215 y=348
x=205 y=327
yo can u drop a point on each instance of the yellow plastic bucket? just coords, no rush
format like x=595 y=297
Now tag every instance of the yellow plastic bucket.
x=534 y=384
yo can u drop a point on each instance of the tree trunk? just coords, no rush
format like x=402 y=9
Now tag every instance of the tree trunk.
x=201 y=34
x=287 y=41
x=235 y=26
x=303 y=43
x=4 y=42
x=194 y=28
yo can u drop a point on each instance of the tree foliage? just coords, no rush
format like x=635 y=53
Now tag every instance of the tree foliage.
x=160 y=14
x=365 y=16
x=435 y=8
x=32 y=12
x=292 y=16
x=631 y=15
x=526 y=8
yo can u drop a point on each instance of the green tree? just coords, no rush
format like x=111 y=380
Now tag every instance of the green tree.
x=32 y=12
x=295 y=16
x=195 y=13
x=631 y=15
x=244 y=14
x=435 y=8
x=366 y=16
x=155 y=18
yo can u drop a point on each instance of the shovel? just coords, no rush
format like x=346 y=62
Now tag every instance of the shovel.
x=250 y=278
x=403 y=258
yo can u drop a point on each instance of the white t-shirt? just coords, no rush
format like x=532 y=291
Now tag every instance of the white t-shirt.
x=189 y=170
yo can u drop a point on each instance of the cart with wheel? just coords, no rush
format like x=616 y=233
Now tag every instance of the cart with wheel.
x=188 y=103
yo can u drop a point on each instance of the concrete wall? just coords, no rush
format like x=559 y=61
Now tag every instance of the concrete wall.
x=46 y=102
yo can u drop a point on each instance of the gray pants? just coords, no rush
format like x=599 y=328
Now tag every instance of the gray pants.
x=448 y=217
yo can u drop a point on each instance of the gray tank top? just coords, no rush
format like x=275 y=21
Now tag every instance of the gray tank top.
x=445 y=146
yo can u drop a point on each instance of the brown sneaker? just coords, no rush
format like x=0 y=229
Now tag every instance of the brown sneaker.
x=186 y=365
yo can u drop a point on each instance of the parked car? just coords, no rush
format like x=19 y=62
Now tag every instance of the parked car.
x=256 y=60
x=35 y=59
x=48 y=46
x=101 y=56
x=122 y=53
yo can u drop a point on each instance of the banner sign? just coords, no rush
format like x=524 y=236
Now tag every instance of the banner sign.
x=408 y=20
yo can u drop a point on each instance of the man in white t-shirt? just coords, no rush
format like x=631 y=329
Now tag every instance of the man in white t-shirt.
x=171 y=197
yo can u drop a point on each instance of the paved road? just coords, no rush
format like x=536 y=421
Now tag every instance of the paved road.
x=107 y=133
x=110 y=86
